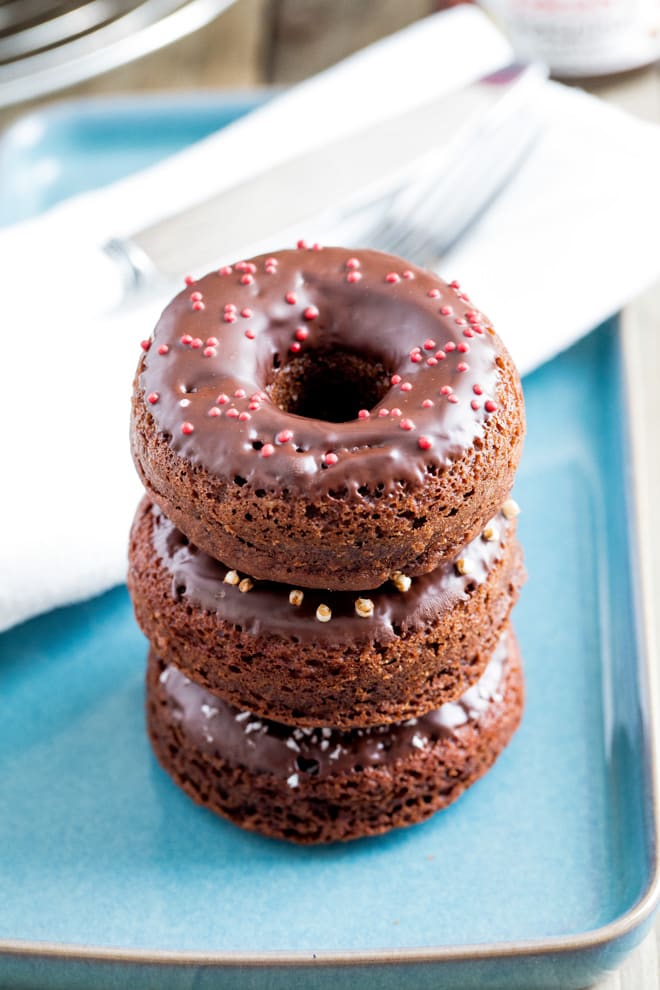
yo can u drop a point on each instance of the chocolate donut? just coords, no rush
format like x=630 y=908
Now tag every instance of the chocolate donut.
x=323 y=658
x=323 y=785
x=326 y=417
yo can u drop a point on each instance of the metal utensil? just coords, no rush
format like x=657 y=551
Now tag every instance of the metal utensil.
x=460 y=134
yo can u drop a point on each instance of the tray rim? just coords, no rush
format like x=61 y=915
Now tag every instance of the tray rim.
x=629 y=335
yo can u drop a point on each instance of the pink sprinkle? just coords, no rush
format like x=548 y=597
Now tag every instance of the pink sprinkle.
x=250 y=334
x=352 y=264
x=302 y=333
x=284 y=436
x=450 y=346
x=247 y=279
x=363 y=414
x=383 y=412
x=469 y=333
x=395 y=379
x=459 y=321
x=429 y=344
x=233 y=413
x=187 y=428
x=241 y=266
x=463 y=347
x=186 y=339
x=416 y=357
x=311 y=313
x=244 y=416
x=153 y=398
x=462 y=366
x=472 y=316
x=395 y=412
x=230 y=307
x=406 y=387
x=222 y=399
x=272 y=262
x=163 y=349
x=446 y=390
x=196 y=343
x=432 y=362
x=408 y=274
x=240 y=393
x=229 y=317
x=455 y=285
x=446 y=310
x=295 y=347
x=424 y=443
x=392 y=277
x=330 y=459
x=353 y=276
x=254 y=406
x=427 y=403
x=475 y=404
x=301 y=245
x=433 y=294
x=225 y=270
x=452 y=398
x=198 y=306
x=210 y=352
x=212 y=342
x=189 y=280
x=477 y=389
x=440 y=355
x=291 y=298
x=407 y=424
x=145 y=344
x=196 y=297
x=316 y=246
x=490 y=406
x=267 y=450
x=214 y=411
x=246 y=313
x=270 y=269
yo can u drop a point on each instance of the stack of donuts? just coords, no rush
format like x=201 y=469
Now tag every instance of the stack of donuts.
x=325 y=559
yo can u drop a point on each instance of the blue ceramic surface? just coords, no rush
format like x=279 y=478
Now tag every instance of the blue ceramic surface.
x=99 y=848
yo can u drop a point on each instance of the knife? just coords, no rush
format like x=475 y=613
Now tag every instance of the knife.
x=360 y=172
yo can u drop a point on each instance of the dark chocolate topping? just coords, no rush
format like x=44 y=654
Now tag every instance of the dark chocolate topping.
x=210 y=375
x=265 y=609
x=244 y=739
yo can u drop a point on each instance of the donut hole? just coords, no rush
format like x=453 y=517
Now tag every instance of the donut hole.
x=329 y=385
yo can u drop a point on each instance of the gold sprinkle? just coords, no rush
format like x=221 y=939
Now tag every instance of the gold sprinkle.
x=490 y=532
x=364 y=607
x=247 y=584
x=296 y=597
x=510 y=509
x=232 y=577
x=323 y=613
x=463 y=565
x=401 y=581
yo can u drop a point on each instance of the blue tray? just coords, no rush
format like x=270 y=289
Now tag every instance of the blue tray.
x=543 y=875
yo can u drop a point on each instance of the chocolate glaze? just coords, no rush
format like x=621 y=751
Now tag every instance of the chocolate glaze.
x=265 y=609
x=244 y=739
x=382 y=321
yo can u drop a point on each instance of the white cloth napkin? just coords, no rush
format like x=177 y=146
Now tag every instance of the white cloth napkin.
x=566 y=244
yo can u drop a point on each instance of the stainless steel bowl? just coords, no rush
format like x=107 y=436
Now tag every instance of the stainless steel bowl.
x=46 y=45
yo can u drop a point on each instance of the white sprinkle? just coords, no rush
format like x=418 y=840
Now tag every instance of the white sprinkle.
x=336 y=753
x=497 y=697
x=411 y=721
x=326 y=732
x=298 y=734
x=253 y=727
x=208 y=711
x=292 y=744
x=242 y=716
x=510 y=509
x=324 y=745
x=418 y=742
x=293 y=780
x=208 y=737
x=184 y=403
x=165 y=674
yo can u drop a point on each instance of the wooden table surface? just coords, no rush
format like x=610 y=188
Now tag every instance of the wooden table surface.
x=280 y=41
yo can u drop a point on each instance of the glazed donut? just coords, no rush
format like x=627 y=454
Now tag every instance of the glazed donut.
x=323 y=658
x=326 y=418
x=325 y=785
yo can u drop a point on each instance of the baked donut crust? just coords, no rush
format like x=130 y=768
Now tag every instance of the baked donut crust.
x=234 y=399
